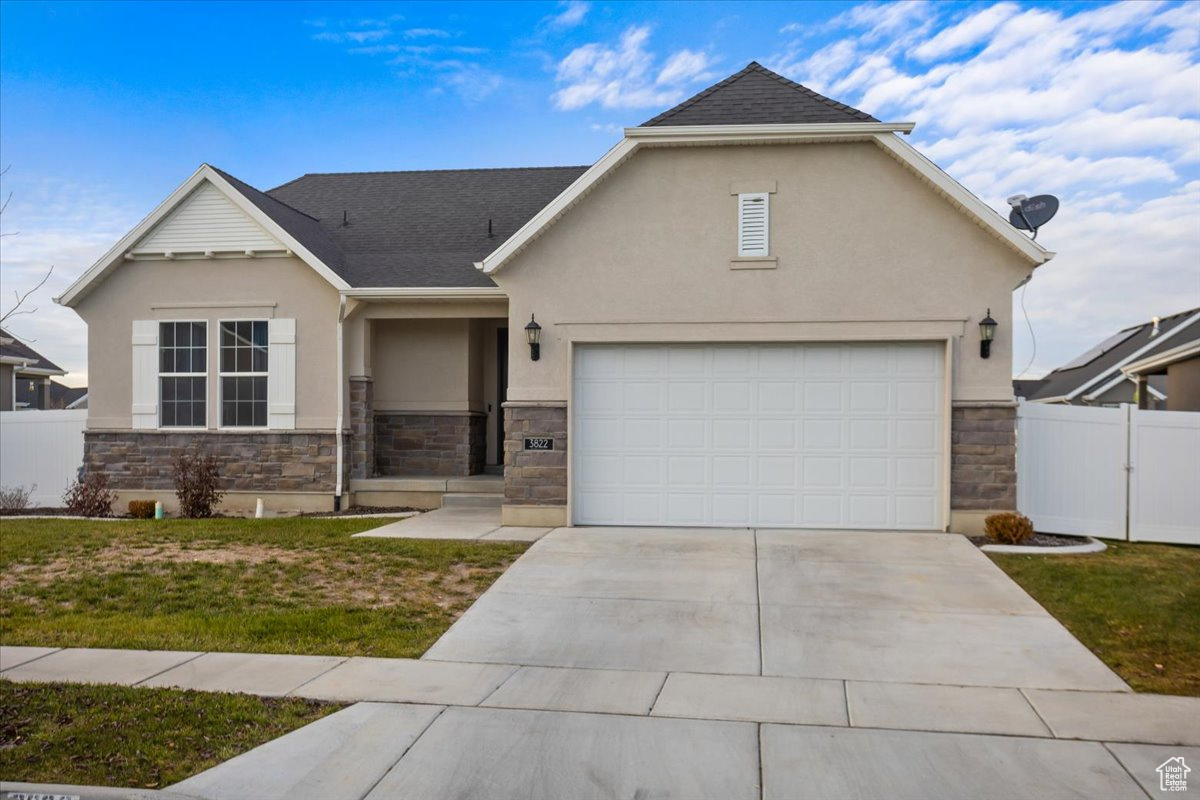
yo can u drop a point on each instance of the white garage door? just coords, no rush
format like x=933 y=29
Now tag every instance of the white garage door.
x=773 y=435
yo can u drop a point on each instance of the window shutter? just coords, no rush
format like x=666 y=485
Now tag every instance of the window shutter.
x=753 y=217
x=281 y=374
x=145 y=373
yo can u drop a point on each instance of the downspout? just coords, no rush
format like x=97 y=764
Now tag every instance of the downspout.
x=341 y=402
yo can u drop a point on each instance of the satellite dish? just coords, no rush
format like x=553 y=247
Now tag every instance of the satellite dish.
x=1031 y=213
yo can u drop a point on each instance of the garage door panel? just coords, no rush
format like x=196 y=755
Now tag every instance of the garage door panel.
x=788 y=435
x=823 y=397
x=731 y=471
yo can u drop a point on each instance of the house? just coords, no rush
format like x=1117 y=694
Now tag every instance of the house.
x=24 y=375
x=1118 y=369
x=1181 y=367
x=761 y=307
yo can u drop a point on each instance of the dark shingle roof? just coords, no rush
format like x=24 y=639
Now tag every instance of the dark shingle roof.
x=427 y=229
x=305 y=229
x=758 y=96
x=62 y=396
x=1063 y=381
x=12 y=347
x=419 y=229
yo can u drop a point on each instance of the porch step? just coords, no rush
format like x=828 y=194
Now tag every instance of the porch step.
x=472 y=500
x=475 y=484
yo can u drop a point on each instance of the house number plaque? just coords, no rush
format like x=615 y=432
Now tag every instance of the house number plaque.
x=539 y=444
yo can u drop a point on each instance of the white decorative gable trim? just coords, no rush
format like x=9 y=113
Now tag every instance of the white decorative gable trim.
x=206 y=223
x=882 y=133
x=146 y=228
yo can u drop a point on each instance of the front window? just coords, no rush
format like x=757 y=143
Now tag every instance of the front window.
x=244 y=374
x=182 y=371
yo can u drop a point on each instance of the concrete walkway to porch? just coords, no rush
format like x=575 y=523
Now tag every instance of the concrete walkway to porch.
x=456 y=522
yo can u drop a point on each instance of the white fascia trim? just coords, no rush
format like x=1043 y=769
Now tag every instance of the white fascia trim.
x=17 y=360
x=1062 y=398
x=1155 y=342
x=41 y=372
x=690 y=133
x=426 y=292
x=984 y=214
x=79 y=288
x=1163 y=359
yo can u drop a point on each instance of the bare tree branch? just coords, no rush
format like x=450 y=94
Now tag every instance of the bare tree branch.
x=16 y=310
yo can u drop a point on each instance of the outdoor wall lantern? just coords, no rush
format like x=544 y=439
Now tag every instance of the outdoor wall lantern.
x=533 y=332
x=987 y=331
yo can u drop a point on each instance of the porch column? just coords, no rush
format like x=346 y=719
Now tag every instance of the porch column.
x=362 y=426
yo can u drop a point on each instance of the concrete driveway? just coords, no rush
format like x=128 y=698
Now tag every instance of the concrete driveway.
x=737 y=664
x=868 y=606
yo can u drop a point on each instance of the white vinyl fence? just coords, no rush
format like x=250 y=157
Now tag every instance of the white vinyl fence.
x=42 y=448
x=1116 y=473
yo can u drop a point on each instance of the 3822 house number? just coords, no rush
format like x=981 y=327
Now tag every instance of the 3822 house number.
x=539 y=444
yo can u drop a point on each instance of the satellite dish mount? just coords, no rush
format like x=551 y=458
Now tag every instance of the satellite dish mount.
x=1031 y=213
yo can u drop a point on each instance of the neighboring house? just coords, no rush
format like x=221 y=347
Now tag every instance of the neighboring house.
x=1106 y=376
x=760 y=308
x=24 y=375
x=67 y=397
x=1181 y=367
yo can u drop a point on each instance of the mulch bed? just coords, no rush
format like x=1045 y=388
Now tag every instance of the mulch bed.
x=359 y=510
x=1038 y=540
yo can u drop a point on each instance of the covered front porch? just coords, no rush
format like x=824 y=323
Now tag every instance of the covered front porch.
x=425 y=379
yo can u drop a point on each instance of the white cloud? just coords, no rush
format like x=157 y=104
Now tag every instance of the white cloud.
x=426 y=33
x=1101 y=107
x=623 y=75
x=686 y=65
x=969 y=32
x=357 y=37
x=571 y=16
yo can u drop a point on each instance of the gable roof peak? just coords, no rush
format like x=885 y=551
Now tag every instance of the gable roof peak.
x=757 y=96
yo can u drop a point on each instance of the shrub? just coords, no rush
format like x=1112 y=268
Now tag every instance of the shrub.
x=90 y=496
x=16 y=498
x=1008 y=528
x=196 y=481
x=141 y=509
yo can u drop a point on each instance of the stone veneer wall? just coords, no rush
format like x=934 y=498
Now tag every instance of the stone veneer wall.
x=267 y=462
x=361 y=447
x=430 y=444
x=535 y=477
x=983 y=458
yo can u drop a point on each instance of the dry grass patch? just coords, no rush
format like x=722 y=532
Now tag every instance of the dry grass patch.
x=286 y=586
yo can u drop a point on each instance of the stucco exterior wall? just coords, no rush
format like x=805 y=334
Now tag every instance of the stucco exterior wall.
x=1183 y=386
x=863 y=249
x=421 y=364
x=212 y=290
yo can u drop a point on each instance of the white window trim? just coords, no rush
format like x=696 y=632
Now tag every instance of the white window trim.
x=743 y=198
x=221 y=426
x=159 y=374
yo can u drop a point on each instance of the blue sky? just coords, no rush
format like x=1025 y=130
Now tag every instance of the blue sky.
x=106 y=107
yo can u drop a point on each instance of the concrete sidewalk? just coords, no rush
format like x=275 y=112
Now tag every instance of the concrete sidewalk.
x=1043 y=714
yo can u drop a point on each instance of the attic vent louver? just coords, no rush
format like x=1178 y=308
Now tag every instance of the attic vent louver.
x=753 y=224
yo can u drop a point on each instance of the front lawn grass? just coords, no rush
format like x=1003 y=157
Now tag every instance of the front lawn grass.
x=134 y=737
x=1136 y=606
x=265 y=586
